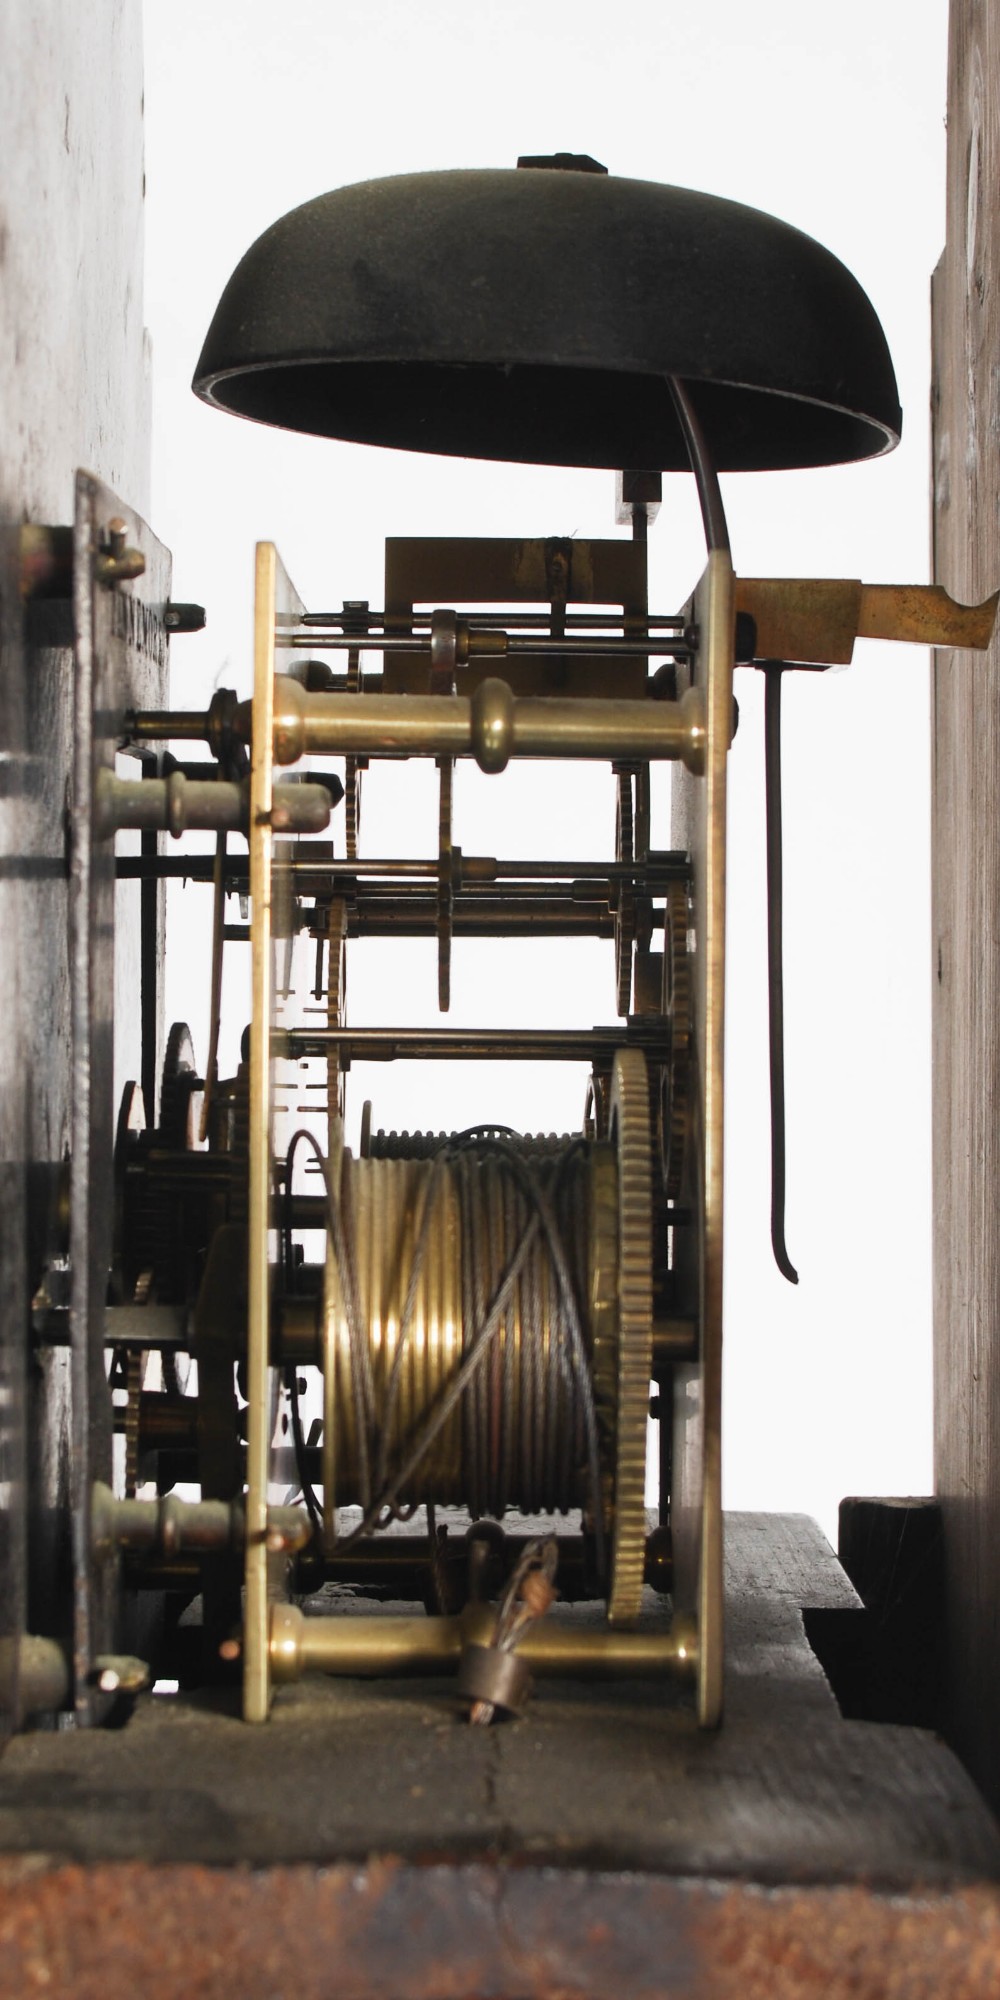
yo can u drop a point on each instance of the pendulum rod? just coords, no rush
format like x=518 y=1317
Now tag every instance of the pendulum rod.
x=773 y=671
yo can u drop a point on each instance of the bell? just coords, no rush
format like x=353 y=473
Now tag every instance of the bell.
x=537 y=315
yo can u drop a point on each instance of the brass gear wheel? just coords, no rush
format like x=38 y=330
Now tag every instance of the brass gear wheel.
x=678 y=1005
x=178 y=1131
x=239 y=1144
x=353 y=766
x=128 y=1246
x=624 y=901
x=336 y=996
x=595 y=1108
x=445 y=884
x=629 y=1123
x=179 y=1121
x=135 y=1368
x=640 y=845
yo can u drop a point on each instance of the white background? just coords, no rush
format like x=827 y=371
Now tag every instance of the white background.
x=831 y=118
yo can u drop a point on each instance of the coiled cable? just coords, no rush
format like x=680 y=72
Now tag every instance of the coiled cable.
x=528 y=1419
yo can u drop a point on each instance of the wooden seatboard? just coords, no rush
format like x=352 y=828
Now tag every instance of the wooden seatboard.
x=612 y=1776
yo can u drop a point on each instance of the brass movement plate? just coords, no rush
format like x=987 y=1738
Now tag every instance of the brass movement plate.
x=275 y=603
x=700 y=824
x=470 y=571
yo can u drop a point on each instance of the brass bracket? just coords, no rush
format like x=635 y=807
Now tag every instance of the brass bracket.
x=817 y=620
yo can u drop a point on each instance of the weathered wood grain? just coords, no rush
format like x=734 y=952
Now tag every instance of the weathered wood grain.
x=595 y=1776
x=966 y=892
x=73 y=392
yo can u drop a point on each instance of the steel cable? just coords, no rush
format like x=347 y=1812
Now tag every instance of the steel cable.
x=528 y=1431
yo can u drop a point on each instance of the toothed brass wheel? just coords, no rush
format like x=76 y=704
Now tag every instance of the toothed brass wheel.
x=353 y=766
x=678 y=1007
x=629 y=1130
x=180 y=1087
x=336 y=998
x=624 y=900
x=445 y=885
